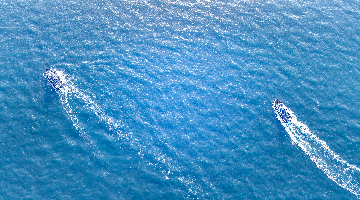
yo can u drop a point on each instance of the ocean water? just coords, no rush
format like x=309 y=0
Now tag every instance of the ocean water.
x=173 y=99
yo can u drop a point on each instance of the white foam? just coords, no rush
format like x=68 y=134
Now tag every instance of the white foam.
x=69 y=89
x=335 y=168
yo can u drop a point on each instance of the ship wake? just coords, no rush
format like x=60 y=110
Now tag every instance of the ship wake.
x=337 y=169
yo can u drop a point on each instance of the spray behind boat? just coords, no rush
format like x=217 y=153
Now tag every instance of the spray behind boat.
x=335 y=168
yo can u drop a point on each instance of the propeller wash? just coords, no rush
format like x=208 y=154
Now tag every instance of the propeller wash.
x=335 y=168
x=67 y=90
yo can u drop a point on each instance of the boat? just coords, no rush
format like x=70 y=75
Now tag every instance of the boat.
x=53 y=78
x=282 y=112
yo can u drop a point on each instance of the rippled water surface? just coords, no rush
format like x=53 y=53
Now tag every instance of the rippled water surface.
x=172 y=99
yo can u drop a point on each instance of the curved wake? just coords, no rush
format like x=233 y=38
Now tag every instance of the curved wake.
x=67 y=91
x=337 y=169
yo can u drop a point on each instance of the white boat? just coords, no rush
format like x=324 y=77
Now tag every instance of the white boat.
x=53 y=78
x=283 y=113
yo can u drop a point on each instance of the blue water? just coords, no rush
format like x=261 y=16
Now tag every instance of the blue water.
x=172 y=99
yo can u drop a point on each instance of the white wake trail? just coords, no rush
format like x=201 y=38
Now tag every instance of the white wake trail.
x=70 y=90
x=64 y=93
x=335 y=168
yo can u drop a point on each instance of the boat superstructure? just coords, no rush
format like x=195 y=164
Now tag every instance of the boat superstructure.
x=53 y=78
x=283 y=113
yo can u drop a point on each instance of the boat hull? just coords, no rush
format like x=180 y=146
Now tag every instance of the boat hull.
x=53 y=78
x=283 y=113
